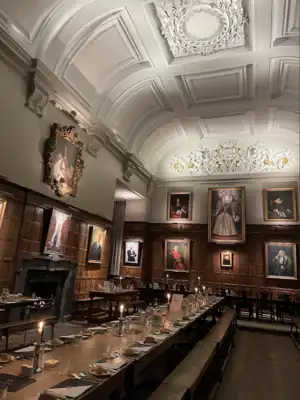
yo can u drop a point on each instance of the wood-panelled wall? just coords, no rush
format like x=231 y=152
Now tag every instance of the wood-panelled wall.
x=21 y=234
x=248 y=259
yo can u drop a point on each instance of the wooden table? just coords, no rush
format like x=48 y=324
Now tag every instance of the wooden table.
x=77 y=357
x=22 y=302
x=112 y=298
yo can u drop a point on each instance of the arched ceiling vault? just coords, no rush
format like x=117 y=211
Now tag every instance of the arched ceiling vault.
x=165 y=77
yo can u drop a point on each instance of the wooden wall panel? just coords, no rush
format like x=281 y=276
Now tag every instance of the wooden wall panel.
x=248 y=258
x=22 y=231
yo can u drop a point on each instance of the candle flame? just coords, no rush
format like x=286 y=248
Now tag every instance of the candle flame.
x=121 y=307
x=41 y=325
x=169 y=296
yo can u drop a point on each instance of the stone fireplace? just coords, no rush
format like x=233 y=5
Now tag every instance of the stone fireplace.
x=49 y=278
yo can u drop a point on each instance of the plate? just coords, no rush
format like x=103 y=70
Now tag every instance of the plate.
x=94 y=372
x=6 y=358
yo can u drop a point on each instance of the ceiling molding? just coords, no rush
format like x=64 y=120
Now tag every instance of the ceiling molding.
x=284 y=76
x=286 y=23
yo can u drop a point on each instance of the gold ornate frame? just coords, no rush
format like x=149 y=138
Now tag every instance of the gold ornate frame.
x=294 y=200
x=291 y=244
x=69 y=134
x=189 y=208
x=186 y=243
x=2 y=211
x=229 y=240
x=230 y=254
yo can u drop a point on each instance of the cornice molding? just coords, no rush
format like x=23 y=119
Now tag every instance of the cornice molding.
x=21 y=62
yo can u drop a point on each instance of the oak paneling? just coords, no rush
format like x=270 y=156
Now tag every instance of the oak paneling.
x=248 y=258
x=22 y=231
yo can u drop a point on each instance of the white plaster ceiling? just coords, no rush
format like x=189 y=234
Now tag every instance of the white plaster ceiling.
x=136 y=66
x=122 y=192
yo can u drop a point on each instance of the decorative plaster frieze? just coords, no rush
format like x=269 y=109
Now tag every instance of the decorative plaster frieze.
x=93 y=145
x=232 y=158
x=37 y=97
x=178 y=19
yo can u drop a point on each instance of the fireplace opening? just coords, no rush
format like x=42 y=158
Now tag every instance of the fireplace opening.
x=46 y=287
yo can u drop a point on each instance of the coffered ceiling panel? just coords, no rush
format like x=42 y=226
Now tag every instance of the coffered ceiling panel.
x=164 y=76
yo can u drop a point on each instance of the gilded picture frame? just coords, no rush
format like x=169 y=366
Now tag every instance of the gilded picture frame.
x=179 y=206
x=63 y=160
x=226 y=259
x=2 y=210
x=280 y=204
x=281 y=260
x=226 y=215
x=96 y=245
x=177 y=255
x=58 y=227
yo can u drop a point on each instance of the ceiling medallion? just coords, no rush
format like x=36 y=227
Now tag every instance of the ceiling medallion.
x=198 y=27
x=231 y=158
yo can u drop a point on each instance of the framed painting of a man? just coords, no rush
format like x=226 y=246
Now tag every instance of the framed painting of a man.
x=63 y=161
x=177 y=255
x=57 y=234
x=281 y=260
x=96 y=245
x=280 y=204
x=226 y=259
x=226 y=215
x=133 y=250
x=179 y=206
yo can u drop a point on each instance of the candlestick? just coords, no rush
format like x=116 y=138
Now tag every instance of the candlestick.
x=121 y=310
x=169 y=297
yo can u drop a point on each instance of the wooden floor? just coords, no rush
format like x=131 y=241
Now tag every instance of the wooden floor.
x=262 y=367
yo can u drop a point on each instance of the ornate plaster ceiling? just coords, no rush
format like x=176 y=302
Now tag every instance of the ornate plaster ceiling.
x=165 y=76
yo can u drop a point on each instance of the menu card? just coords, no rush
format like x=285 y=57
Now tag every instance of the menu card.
x=176 y=303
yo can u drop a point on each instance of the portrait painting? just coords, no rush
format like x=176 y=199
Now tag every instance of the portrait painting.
x=63 y=160
x=133 y=252
x=226 y=215
x=280 y=204
x=2 y=210
x=177 y=255
x=96 y=245
x=58 y=230
x=179 y=206
x=226 y=259
x=281 y=260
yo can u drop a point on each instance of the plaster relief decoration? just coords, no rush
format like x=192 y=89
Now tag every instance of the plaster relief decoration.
x=93 y=145
x=63 y=161
x=128 y=169
x=230 y=157
x=226 y=215
x=37 y=98
x=199 y=27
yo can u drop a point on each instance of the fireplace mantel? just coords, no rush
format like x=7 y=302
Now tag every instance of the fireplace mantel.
x=50 y=264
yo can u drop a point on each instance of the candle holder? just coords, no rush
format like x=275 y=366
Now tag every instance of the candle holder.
x=121 y=327
x=36 y=357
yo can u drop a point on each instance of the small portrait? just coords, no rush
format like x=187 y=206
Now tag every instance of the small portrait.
x=226 y=215
x=133 y=253
x=281 y=260
x=2 y=210
x=57 y=232
x=280 y=204
x=63 y=161
x=177 y=255
x=179 y=206
x=96 y=247
x=226 y=259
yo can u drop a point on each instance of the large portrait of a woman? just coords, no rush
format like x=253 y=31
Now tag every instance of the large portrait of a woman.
x=179 y=206
x=177 y=255
x=281 y=260
x=226 y=215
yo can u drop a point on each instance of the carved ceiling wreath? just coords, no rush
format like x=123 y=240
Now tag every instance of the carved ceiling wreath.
x=63 y=160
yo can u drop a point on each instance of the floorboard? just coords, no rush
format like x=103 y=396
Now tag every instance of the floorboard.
x=262 y=367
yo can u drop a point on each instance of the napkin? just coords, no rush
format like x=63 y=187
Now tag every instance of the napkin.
x=28 y=349
x=97 y=329
x=71 y=392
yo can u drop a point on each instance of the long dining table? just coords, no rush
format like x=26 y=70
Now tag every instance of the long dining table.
x=76 y=358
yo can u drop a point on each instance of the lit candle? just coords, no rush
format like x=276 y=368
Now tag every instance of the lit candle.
x=121 y=310
x=198 y=280
x=167 y=277
x=204 y=288
x=169 y=297
x=196 y=290
x=41 y=330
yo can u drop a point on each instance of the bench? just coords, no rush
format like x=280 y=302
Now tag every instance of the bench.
x=20 y=326
x=295 y=330
x=81 y=307
x=200 y=372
